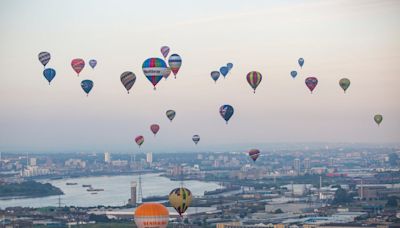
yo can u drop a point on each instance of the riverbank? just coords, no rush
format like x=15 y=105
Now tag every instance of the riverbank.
x=28 y=189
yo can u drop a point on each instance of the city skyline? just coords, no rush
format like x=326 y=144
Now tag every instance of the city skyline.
x=357 y=40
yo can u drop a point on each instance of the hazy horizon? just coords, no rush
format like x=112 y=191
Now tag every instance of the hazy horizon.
x=358 y=40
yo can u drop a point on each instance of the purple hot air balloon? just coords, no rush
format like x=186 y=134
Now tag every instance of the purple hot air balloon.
x=311 y=83
x=92 y=63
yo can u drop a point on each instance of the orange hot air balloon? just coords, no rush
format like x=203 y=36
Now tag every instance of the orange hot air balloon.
x=151 y=215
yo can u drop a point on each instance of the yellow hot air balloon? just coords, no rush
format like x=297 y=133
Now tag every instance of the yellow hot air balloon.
x=151 y=215
x=180 y=199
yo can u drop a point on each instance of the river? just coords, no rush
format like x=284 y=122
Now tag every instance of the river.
x=116 y=191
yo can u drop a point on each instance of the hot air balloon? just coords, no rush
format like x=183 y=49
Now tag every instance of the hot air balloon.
x=226 y=112
x=139 y=140
x=171 y=114
x=301 y=62
x=224 y=70
x=44 y=58
x=87 y=86
x=78 y=65
x=196 y=139
x=155 y=128
x=92 y=63
x=344 y=83
x=128 y=79
x=254 y=154
x=230 y=66
x=167 y=72
x=151 y=215
x=154 y=69
x=311 y=83
x=215 y=75
x=49 y=74
x=165 y=51
x=175 y=63
x=254 y=79
x=180 y=199
x=378 y=119
x=293 y=74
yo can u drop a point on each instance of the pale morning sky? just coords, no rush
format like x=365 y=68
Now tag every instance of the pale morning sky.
x=357 y=39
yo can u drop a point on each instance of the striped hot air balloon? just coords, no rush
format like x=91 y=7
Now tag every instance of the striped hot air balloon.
x=44 y=58
x=175 y=63
x=165 y=51
x=78 y=65
x=180 y=199
x=139 y=140
x=128 y=79
x=254 y=154
x=167 y=72
x=154 y=69
x=151 y=215
x=254 y=79
x=196 y=139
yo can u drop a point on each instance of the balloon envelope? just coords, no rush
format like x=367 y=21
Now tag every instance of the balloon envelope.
x=49 y=74
x=301 y=62
x=155 y=128
x=344 y=83
x=151 y=215
x=196 y=139
x=293 y=73
x=215 y=75
x=92 y=63
x=378 y=119
x=44 y=57
x=311 y=83
x=254 y=154
x=254 y=78
x=154 y=69
x=226 y=111
x=165 y=51
x=224 y=70
x=78 y=65
x=175 y=63
x=128 y=79
x=171 y=114
x=87 y=86
x=139 y=140
x=180 y=199
x=167 y=72
x=230 y=66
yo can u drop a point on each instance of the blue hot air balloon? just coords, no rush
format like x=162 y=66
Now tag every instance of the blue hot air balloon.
x=224 y=70
x=226 y=112
x=49 y=74
x=293 y=73
x=230 y=66
x=215 y=75
x=92 y=63
x=87 y=85
x=301 y=62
